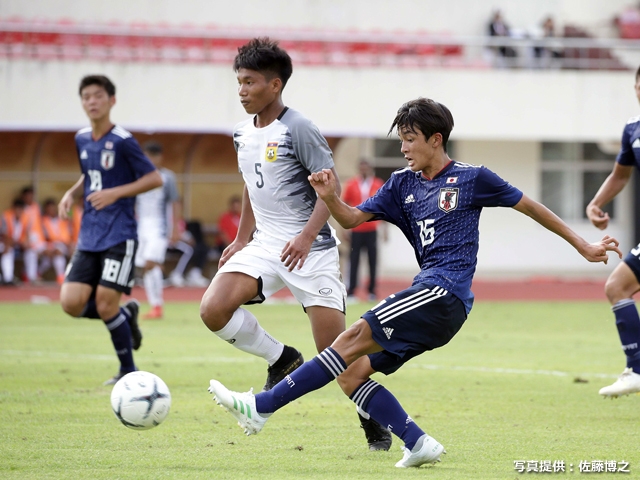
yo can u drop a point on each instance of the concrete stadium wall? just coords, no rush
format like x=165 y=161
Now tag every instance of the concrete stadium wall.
x=486 y=104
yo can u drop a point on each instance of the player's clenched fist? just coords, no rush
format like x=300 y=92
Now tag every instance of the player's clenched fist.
x=323 y=182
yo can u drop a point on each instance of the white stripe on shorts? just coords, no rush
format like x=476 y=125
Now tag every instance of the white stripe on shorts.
x=125 y=268
x=411 y=303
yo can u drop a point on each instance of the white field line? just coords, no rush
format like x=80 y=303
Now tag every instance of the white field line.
x=247 y=359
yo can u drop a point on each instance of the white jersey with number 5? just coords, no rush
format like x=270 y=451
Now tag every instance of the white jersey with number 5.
x=275 y=162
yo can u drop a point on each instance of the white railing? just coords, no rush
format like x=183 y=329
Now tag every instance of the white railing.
x=165 y=43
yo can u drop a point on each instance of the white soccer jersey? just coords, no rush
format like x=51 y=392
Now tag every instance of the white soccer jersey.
x=275 y=162
x=152 y=206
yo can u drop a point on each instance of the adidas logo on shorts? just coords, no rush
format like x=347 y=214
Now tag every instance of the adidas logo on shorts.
x=410 y=199
x=388 y=331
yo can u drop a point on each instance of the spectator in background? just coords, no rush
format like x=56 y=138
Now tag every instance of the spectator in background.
x=158 y=213
x=498 y=28
x=57 y=236
x=545 y=55
x=195 y=277
x=33 y=243
x=229 y=221
x=364 y=236
x=14 y=222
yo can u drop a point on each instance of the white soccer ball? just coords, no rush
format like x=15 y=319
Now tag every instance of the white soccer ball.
x=140 y=400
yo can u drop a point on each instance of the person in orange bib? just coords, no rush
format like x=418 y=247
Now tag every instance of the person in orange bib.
x=57 y=235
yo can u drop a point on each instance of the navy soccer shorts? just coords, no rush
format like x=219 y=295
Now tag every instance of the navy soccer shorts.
x=111 y=268
x=633 y=260
x=411 y=322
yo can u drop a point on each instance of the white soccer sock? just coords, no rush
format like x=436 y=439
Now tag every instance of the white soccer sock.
x=152 y=280
x=8 y=261
x=59 y=264
x=245 y=333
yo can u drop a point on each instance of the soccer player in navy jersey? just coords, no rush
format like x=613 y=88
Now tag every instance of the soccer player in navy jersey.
x=436 y=202
x=624 y=281
x=114 y=171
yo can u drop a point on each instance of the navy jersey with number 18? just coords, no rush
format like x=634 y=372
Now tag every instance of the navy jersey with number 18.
x=440 y=218
x=113 y=160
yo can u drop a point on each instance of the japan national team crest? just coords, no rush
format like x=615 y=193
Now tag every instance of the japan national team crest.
x=272 y=152
x=448 y=199
x=107 y=159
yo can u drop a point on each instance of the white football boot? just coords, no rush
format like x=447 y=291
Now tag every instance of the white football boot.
x=628 y=382
x=240 y=405
x=426 y=450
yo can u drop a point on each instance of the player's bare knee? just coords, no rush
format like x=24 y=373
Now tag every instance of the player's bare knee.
x=72 y=308
x=213 y=314
x=612 y=290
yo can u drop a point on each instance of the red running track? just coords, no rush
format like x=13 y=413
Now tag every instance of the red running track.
x=484 y=290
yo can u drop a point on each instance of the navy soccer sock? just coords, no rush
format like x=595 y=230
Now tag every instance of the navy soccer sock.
x=628 y=323
x=312 y=375
x=383 y=407
x=120 y=331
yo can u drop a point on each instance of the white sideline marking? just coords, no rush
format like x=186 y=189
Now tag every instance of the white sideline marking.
x=246 y=359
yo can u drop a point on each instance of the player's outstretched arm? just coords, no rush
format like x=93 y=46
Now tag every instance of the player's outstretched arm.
x=324 y=183
x=612 y=185
x=593 y=252
x=109 y=196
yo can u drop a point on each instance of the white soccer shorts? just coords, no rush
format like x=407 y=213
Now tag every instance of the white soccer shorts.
x=152 y=247
x=317 y=284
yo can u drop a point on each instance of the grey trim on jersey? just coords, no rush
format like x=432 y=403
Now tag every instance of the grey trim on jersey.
x=313 y=152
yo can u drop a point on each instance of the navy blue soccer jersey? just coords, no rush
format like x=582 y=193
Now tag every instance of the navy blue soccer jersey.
x=440 y=219
x=113 y=160
x=630 y=150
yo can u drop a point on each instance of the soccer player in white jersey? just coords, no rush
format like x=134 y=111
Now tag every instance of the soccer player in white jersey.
x=158 y=215
x=293 y=245
x=436 y=202
x=114 y=171
x=624 y=281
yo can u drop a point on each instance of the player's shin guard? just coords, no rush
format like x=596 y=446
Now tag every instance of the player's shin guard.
x=628 y=323
x=245 y=333
x=383 y=407
x=120 y=331
x=312 y=375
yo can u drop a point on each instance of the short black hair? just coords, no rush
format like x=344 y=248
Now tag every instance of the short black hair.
x=265 y=56
x=425 y=115
x=153 y=148
x=18 y=203
x=99 y=80
x=25 y=190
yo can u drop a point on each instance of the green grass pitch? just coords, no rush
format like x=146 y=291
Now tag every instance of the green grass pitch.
x=519 y=382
